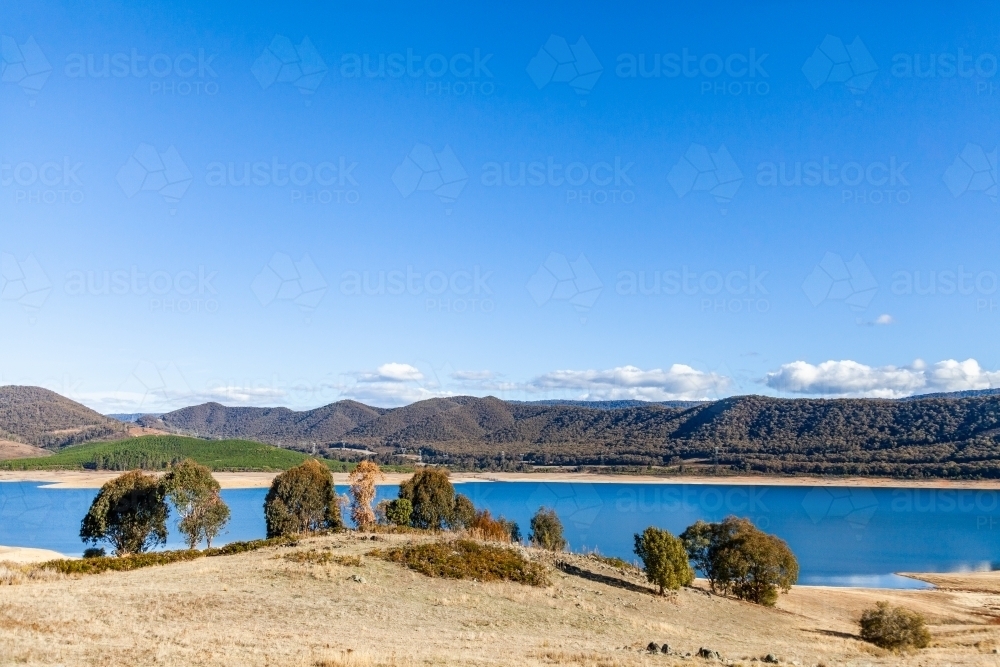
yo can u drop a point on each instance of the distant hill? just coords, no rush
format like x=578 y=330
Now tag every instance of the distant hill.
x=43 y=418
x=969 y=393
x=933 y=437
x=153 y=452
x=131 y=417
x=615 y=405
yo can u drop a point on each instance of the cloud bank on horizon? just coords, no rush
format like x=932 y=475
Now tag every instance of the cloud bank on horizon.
x=395 y=384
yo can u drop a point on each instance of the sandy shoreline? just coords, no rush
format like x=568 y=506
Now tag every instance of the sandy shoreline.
x=86 y=479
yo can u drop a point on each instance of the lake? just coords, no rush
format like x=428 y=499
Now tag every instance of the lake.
x=850 y=536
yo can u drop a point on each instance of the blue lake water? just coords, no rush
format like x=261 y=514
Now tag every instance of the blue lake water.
x=841 y=536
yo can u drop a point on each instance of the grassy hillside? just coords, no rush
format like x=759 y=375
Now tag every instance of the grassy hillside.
x=154 y=452
x=43 y=418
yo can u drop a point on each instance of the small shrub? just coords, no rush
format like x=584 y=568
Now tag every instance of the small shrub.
x=465 y=559
x=398 y=512
x=302 y=500
x=462 y=514
x=316 y=557
x=432 y=498
x=894 y=628
x=485 y=527
x=98 y=565
x=94 y=552
x=547 y=530
x=664 y=558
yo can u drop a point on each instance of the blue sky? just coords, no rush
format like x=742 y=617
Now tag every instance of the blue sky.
x=272 y=205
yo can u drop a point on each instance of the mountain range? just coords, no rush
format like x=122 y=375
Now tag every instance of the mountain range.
x=936 y=436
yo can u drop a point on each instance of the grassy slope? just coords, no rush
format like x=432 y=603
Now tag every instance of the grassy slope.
x=216 y=454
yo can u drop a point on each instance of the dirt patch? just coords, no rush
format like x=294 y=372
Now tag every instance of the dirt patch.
x=18 y=450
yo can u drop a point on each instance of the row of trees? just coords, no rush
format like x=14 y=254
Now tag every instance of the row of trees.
x=130 y=512
x=735 y=556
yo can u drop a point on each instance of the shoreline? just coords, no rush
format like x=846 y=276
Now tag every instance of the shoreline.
x=87 y=479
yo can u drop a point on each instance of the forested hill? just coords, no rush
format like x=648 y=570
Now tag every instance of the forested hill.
x=43 y=418
x=925 y=437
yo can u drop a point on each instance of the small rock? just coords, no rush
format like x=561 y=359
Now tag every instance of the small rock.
x=665 y=649
x=358 y=578
x=709 y=654
x=653 y=647
x=770 y=657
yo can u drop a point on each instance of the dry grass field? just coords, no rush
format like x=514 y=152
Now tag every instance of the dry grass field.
x=277 y=606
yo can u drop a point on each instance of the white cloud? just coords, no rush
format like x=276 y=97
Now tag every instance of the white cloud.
x=850 y=378
x=885 y=319
x=393 y=372
x=679 y=382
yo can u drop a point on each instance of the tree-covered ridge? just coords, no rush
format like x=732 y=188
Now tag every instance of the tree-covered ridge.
x=937 y=437
x=43 y=418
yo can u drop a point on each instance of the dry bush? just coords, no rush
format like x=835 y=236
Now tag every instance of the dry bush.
x=485 y=527
x=314 y=557
x=355 y=659
x=363 y=480
x=894 y=628
x=552 y=657
x=465 y=559
x=12 y=574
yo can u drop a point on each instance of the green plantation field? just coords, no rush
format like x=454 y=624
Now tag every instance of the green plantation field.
x=156 y=452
